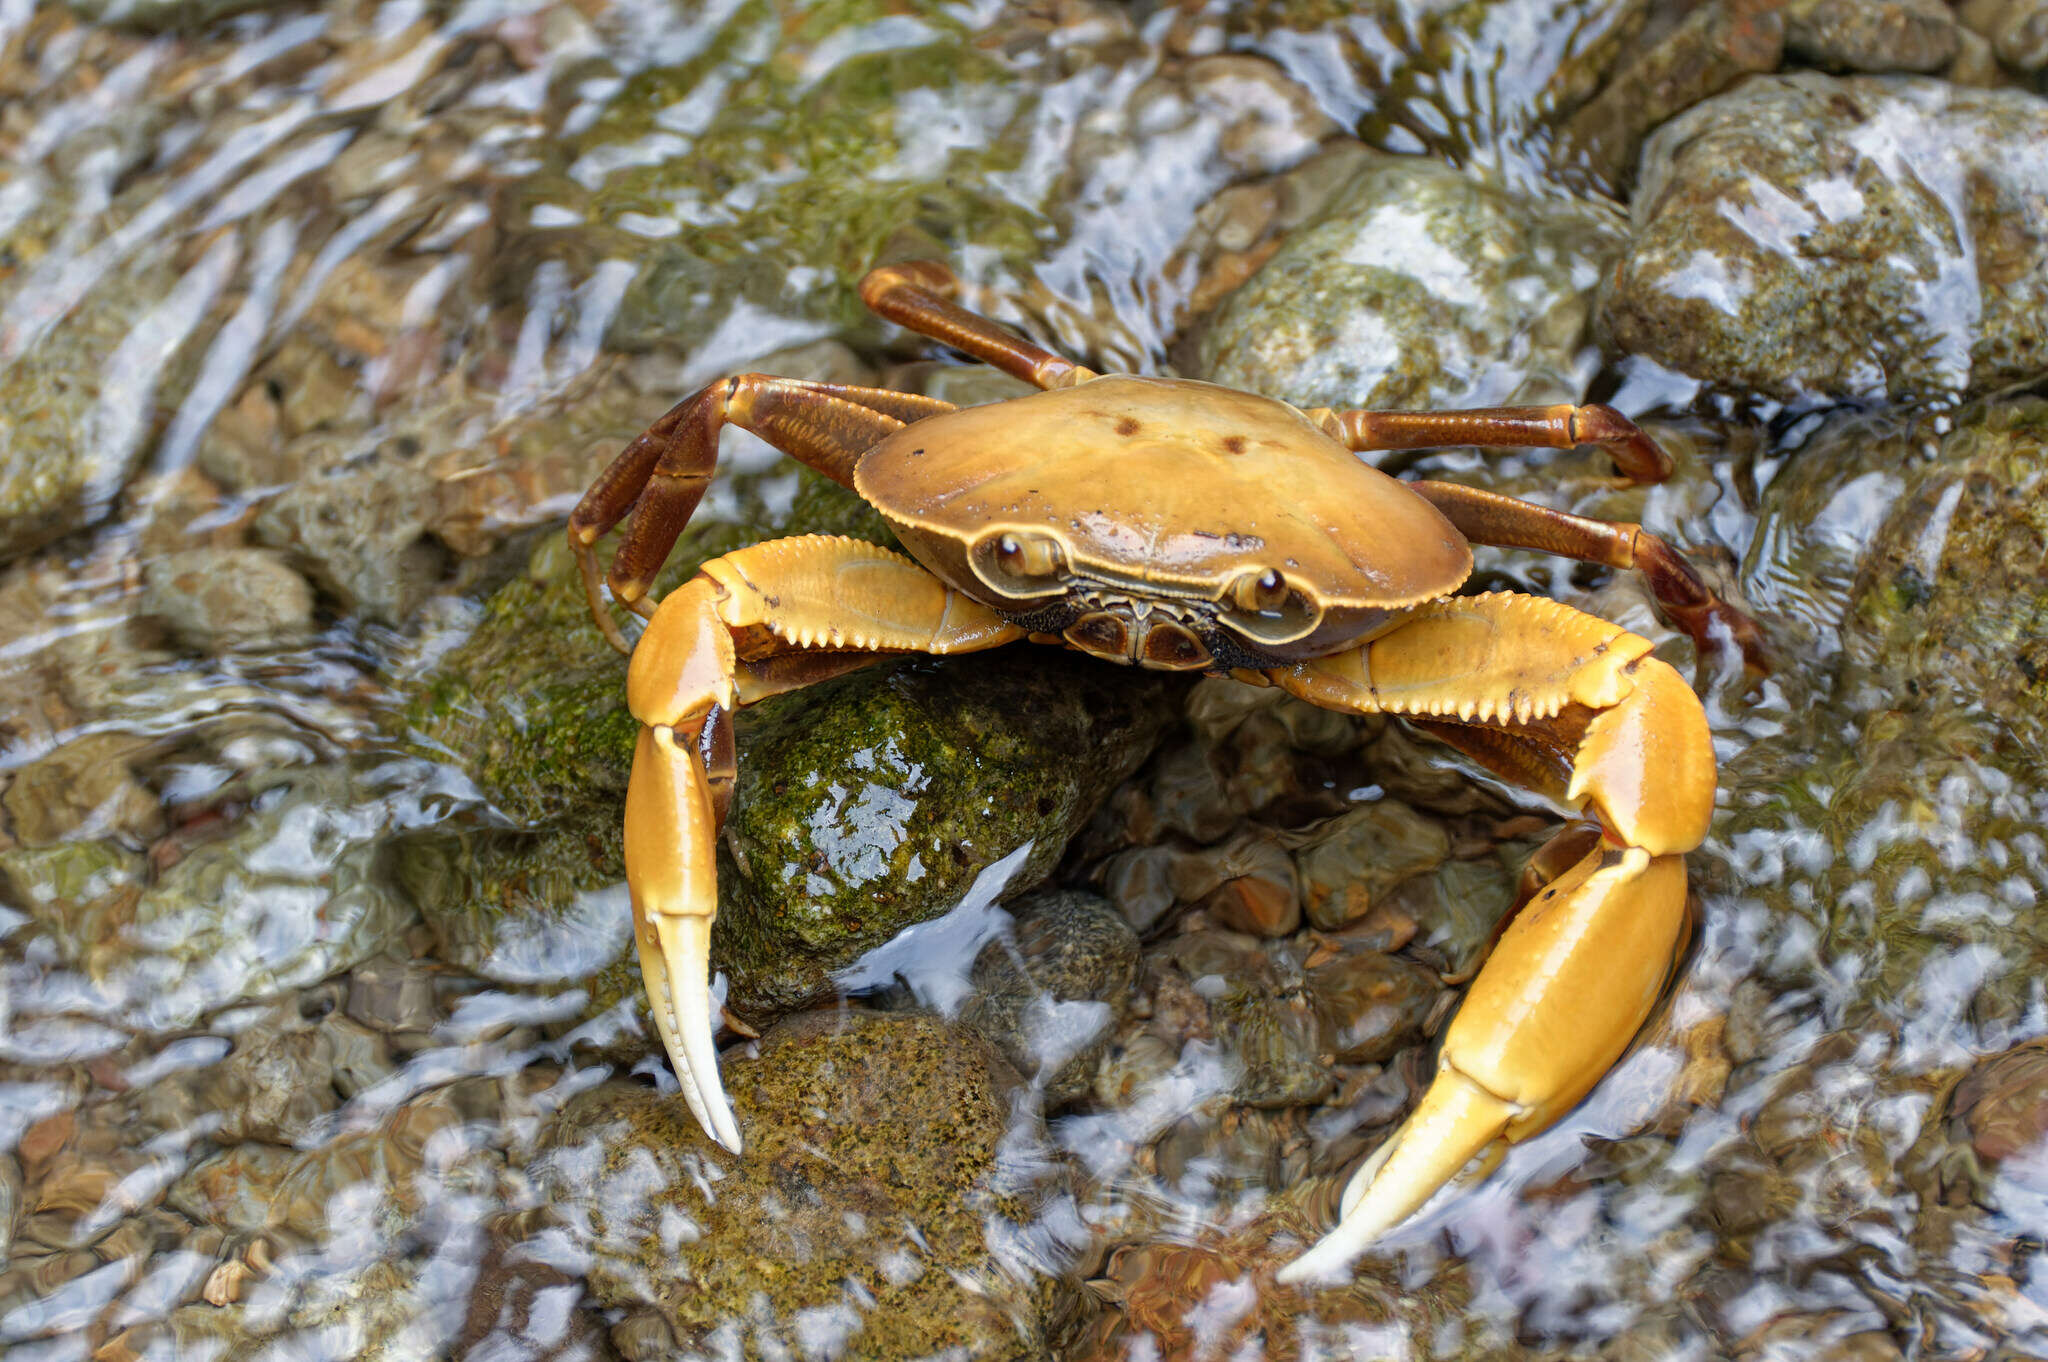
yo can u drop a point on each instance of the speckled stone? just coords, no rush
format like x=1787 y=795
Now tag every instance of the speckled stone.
x=214 y=599
x=1810 y=237
x=1051 y=995
x=862 y=1210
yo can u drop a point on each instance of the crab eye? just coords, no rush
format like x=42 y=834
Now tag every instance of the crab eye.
x=1263 y=593
x=1021 y=563
x=1264 y=606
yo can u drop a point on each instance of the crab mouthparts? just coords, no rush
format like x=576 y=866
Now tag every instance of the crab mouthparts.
x=1141 y=633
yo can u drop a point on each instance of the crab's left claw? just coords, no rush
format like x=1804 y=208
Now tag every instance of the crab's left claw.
x=680 y=678
x=673 y=878
x=1592 y=719
x=1566 y=989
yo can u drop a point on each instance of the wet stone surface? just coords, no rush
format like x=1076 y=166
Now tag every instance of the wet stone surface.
x=1808 y=237
x=862 y=1207
x=1419 y=286
x=316 y=1037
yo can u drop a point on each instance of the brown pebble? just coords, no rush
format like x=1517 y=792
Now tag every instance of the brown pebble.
x=42 y=1140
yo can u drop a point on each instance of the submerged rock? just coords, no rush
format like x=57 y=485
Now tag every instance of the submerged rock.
x=290 y=893
x=1949 y=609
x=79 y=397
x=1420 y=286
x=862 y=1222
x=1999 y=1112
x=1807 y=237
x=1051 y=997
x=214 y=599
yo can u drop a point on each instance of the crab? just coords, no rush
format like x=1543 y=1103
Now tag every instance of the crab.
x=1180 y=525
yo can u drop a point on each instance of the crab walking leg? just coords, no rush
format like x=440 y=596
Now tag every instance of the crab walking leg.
x=1505 y=522
x=661 y=476
x=918 y=294
x=1578 y=707
x=751 y=624
x=1564 y=426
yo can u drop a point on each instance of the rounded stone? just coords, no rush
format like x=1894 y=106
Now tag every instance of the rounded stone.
x=863 y=1208
x=1052 y=995
x=215 y=599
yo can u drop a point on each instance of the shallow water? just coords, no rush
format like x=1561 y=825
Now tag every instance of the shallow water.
x=378 y=287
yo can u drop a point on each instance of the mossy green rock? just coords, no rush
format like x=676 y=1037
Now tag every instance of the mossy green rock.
x=864 y=805
x=532 y=705
x=816 y=150
x=1809 y=236
x=871 y=804
x=863 y=1205
x=1421 y=286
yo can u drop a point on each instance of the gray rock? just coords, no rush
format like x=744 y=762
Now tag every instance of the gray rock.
x=357 y=518
x=216 y=599
x=1051 y=997
x=1420 y=286
x=1808 y=237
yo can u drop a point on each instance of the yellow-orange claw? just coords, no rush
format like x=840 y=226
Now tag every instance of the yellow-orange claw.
x=672 y=874
x=1570 y=983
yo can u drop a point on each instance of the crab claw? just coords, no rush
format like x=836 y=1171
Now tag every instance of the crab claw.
x=673 y=878
x=1571 y=981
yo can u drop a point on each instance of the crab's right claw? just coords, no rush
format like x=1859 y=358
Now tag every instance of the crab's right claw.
x=672 y=873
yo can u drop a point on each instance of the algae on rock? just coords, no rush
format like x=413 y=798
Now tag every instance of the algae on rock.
x=1420 y=286
x=863 y=1206
x=863 y=805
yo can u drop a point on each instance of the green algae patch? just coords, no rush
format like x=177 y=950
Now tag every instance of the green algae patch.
x=773 y=167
